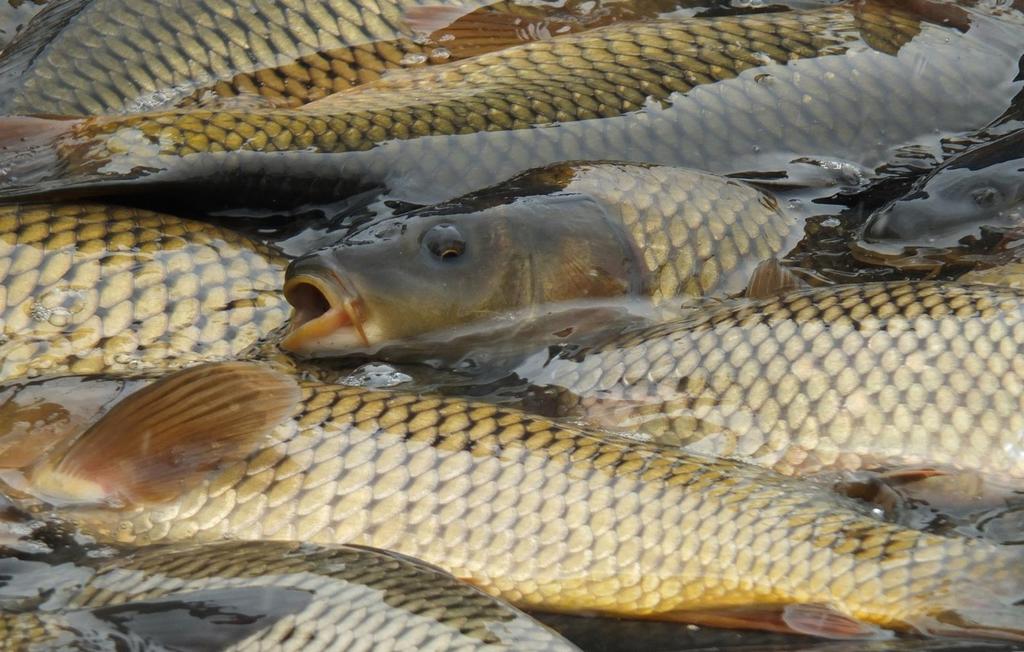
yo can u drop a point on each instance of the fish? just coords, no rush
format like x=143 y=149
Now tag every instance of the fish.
x=918 y=375
x=87 y=57
x=1009 y=273
x=242 y=595
x=546 y=516
x=978 y=191
x=569 y=231
x=93 y=288
x=726 y=94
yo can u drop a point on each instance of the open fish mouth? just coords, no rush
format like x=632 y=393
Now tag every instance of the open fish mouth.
x=326 y=318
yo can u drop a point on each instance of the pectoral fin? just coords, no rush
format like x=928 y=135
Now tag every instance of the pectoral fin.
x=810 y=619
x=161 y=439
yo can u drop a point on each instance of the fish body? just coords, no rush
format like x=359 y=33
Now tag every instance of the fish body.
x=82 y=57
x=89 y=288
x=723 y=94
x=1011 y=274
x=265 y=595
x=543 y=515
x=569 y=231
x=86 y=57
x=878 y=375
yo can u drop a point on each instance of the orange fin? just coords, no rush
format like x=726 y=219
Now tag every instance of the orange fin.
x=826 y=622
x=912 y=474
x=810 y=619
x=37 y=416
x=156 y=442
x=984 y=622
x=479 y=31
x=22 y=132
x=943 y=14
x=771 y=278
x=29 y=151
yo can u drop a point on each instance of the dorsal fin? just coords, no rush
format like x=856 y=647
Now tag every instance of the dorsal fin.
x=470 y=33
x=153 y=444
x=771 y=278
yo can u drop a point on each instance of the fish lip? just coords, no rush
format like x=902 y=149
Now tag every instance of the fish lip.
x=315 y=330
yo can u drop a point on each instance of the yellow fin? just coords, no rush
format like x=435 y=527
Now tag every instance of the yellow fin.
x=161 y=439
x=468 y=34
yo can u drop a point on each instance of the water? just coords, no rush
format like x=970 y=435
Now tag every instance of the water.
x=834 y=197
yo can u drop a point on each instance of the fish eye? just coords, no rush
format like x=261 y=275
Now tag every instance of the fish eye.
x=986 y=197
x=444 y=242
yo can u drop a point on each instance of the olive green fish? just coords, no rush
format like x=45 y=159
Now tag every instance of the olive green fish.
x=543 y=515
x=88 y=288
x=723 y=94
x=265 y=595
x=876 y=375
x=977 y=192
x=85 y=57
x=565 y=232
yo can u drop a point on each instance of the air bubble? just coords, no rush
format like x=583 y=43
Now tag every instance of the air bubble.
x=39 y=312
x=376 y=376
x=413 y=59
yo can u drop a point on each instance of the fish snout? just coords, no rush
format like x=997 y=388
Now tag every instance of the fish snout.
x=327 y=317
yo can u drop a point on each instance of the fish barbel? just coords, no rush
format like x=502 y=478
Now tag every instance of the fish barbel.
x=543 y=515
x=722 y=94
x=89 y=288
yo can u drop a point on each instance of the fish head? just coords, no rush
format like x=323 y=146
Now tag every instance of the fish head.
x=441 y=268
x=973 y=193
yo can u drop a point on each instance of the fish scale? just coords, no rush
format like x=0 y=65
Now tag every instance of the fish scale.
x=848 y=377
x=551 y=517
x=758 y=90
x=356 y=597
x=99 y=56
x=88 y=288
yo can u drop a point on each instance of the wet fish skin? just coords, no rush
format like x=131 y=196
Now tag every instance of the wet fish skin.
x=848 y=377
x=279 y=593
x=978 y=189
x=86 y=57
x=89 y=288
x=569 y=231
x=1010 y=274
x=722 y=94
x=137 y=57
x=550 y=517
